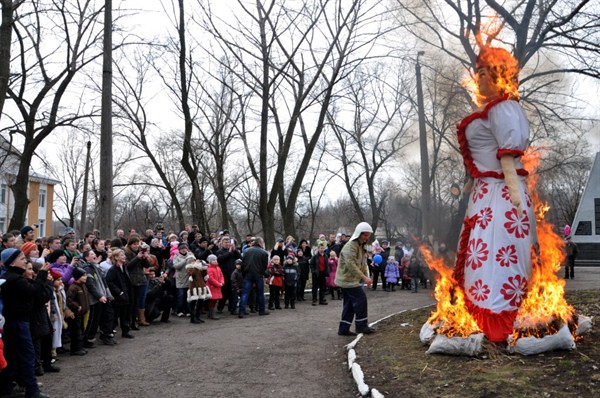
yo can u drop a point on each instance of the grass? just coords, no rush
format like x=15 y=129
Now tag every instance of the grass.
x=394 y=361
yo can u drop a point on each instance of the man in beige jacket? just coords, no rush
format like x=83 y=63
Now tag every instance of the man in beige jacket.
x=352 y=271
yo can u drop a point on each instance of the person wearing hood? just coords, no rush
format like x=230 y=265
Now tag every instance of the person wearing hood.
x=352 y=271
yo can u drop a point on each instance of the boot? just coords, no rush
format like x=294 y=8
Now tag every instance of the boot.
x=142 y=318
x=193 y=308
x=134 y=325
x=211 y=314
x=196 y=314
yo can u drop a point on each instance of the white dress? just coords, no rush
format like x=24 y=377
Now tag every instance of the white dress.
x=494 y=254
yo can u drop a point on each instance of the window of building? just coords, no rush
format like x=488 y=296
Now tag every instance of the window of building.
x=2 y=225
x=3 y=192
x=42 y=228
x=42 y=198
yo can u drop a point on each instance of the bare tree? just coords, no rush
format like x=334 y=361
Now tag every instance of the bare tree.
x=55 y=41
x=371 y=133
x=6 y=27
x=130 y=99
x=290 y=58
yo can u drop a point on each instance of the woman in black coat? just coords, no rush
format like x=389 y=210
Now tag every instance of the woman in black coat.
x=120 y=287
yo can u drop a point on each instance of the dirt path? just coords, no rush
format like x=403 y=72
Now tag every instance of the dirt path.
x=289 y=353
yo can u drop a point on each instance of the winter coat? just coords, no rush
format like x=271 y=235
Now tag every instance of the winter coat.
x=197 y=288
x=275 y=274
x=291 y=274
x=119 y=285
x=255 y=261
x=314 y=264
x=392 y=272
x=19 y=295
x=414 y=269
x=333 y=264
x=78 y=296
x=304 y=266
x=40 y=323
x=215 y=281
x=237 y=280
x=96 y=284
x=352 y=265
x=179 y=263
x=66 y=270
x=226 y=260
x=135 y=268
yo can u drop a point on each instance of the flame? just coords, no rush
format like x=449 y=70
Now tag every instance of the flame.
x=502 y=69
x=545 y=303
x=451 y=316
x=543 y=311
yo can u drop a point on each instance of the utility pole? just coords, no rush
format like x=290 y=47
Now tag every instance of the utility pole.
x=425 y=189
x=86 y=178
x=106 y=159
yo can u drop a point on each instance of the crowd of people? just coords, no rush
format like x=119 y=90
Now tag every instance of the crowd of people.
x=67 y=291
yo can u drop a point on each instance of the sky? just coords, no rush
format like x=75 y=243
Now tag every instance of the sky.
x=151 y=21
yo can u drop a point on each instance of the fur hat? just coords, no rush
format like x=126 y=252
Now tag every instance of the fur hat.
x=196 y=265
x=28 y=247
x=53 y=257
x=78 y=273
x=9 y=255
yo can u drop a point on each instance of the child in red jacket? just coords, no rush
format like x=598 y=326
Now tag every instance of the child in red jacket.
x=215 y=282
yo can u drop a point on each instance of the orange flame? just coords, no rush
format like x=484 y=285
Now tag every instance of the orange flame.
x=451 y=316
x=543 y=311
x=502 y=69
x=545 y=303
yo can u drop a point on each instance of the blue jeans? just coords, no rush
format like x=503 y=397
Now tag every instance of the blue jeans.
x=249 y=280
x=182 y=304
x=355 y=306
x=20 y=355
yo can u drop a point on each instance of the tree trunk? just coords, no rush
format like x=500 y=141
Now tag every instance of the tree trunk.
x=106 y=138
x=19 y=189
x=5 y=42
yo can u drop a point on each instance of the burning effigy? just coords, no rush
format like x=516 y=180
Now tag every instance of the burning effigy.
x=503 y=287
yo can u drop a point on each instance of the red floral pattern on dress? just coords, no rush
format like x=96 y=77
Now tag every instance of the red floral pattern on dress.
x=479 y=291
x=514 y=289
x=506 y=193
x=528 y=199
x=518 y=226
x=477 y=253
x=485 y=217
x=479 y=191
x=507 y=255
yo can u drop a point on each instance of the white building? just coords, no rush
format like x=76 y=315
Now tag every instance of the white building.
x=586 y=225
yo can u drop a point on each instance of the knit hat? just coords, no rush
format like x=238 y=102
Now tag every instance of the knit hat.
x=182 y=245
x=28 y=247
x=55 y=274
x=9 y=255
x=238 y=261
x=26 y=229
x=211 y=258
x=68 y=230
x=78 y=273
